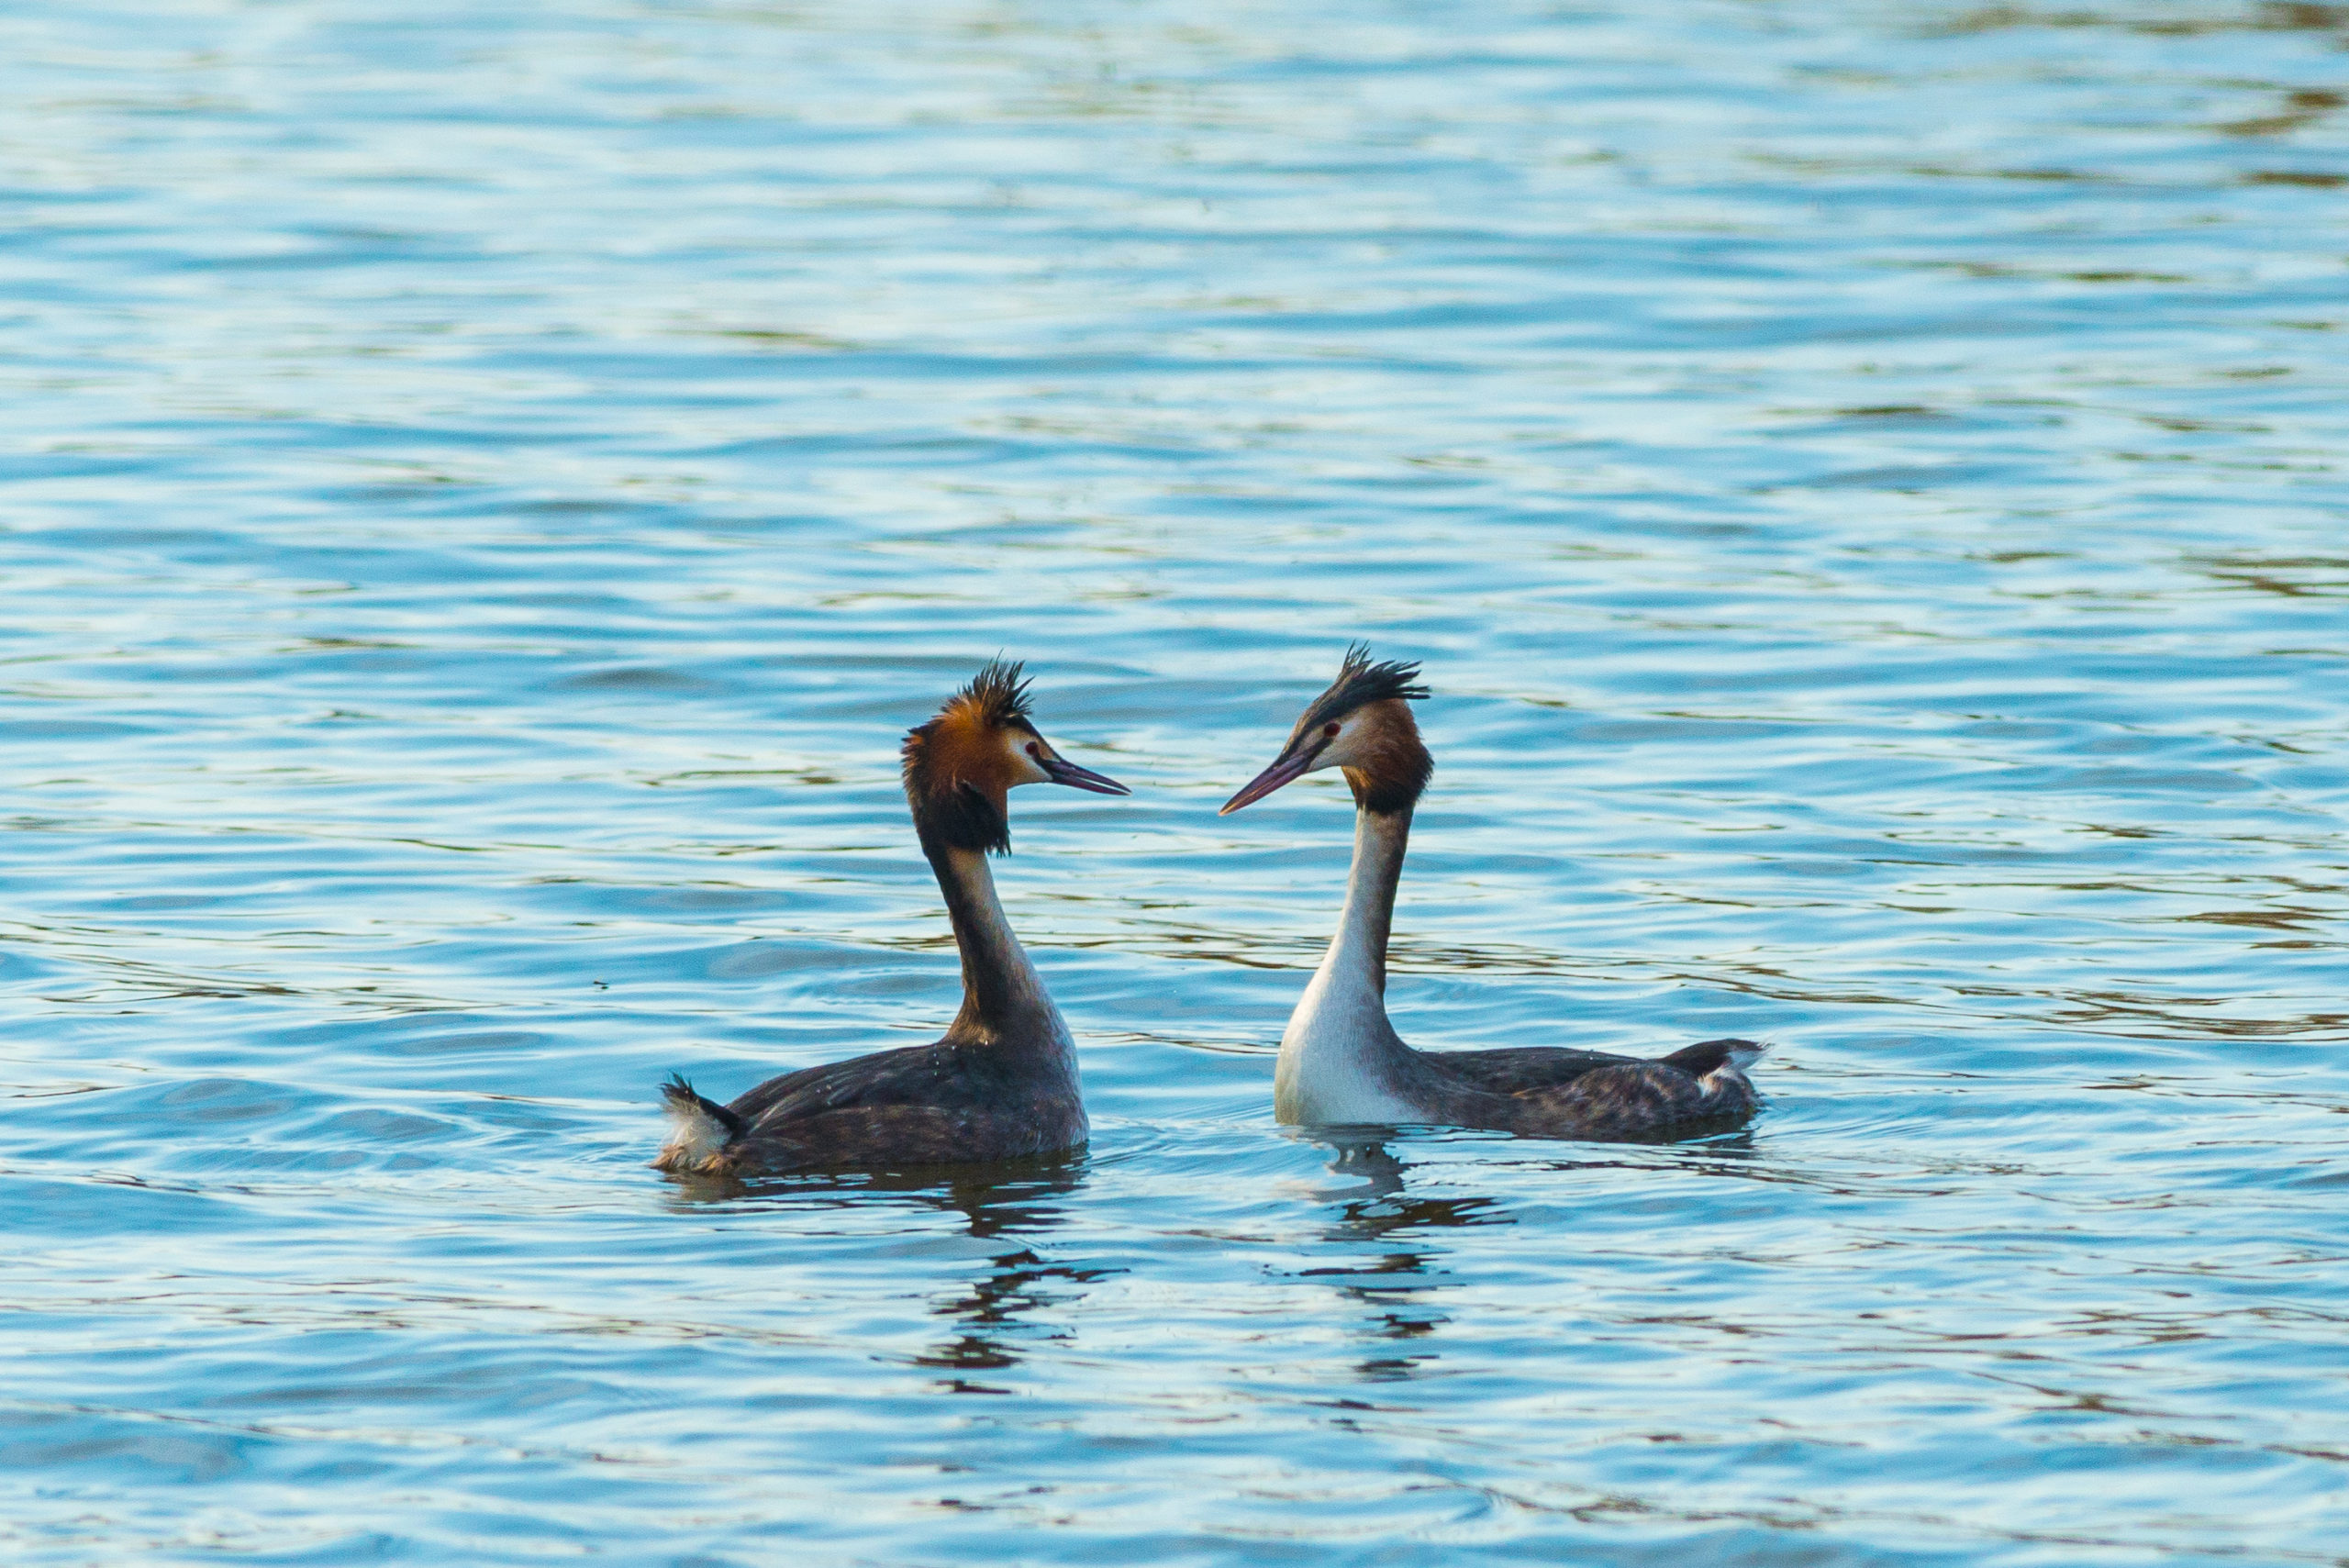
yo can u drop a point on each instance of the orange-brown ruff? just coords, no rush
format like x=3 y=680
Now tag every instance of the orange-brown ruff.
x=1001 y=1082
x=1341 y=1061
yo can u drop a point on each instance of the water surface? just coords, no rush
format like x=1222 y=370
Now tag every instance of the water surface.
x=487 y=486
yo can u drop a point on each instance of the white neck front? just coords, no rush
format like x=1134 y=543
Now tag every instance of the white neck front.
x=1339 y=1056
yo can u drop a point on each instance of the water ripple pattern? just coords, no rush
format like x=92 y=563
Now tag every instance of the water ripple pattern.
x=486 y=487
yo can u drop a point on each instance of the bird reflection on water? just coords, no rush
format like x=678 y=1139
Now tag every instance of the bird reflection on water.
x=1400 y=1266
x=999 y=1201
x=1378 y=1218
x=1008 y=1202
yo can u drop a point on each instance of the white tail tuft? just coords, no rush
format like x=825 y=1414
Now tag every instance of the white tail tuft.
x=699 y=1130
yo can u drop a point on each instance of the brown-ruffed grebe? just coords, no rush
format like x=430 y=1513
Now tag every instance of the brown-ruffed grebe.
x=1002 y=1081
x=1341 y=1062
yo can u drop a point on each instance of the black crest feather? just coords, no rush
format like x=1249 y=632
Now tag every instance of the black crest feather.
x=1358 y=682
x=1000 y=693
x=1397 y=783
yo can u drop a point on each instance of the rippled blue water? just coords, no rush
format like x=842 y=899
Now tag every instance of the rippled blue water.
x=486 y=486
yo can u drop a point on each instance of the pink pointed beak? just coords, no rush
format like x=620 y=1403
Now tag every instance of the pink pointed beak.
x=1287 y=771
x=1064 y=771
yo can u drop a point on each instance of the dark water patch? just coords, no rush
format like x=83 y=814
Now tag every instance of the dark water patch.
x=636 y=681
x=2310 y=178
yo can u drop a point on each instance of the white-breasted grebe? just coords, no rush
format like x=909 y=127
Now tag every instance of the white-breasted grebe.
x=1341 y=1062
x=1002 y=1081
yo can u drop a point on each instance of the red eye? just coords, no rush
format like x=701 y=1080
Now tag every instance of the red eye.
x=1035 y=750
x=1330 y=730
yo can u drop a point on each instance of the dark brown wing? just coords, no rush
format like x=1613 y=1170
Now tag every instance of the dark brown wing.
x=1632 y=1099
x=1555 y=1092
x=907 y=1136
x=1528 y=1069
x=925 y=1105
x=1643 y=1099
x=1514 y=1071
x=885 y=1077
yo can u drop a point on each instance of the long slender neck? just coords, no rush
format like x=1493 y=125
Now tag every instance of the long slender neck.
x=1001 y=990
x=1340 y=1059
x=1358 y=953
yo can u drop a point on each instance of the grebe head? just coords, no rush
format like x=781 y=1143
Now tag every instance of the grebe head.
x=1363 y=724
x=984 y=744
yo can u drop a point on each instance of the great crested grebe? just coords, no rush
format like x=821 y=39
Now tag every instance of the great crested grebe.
x=1001 y=1082
x=1341 y=1062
